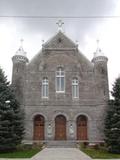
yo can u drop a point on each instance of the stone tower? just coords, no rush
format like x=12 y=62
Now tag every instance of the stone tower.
x=101 y=73
x=19 y=72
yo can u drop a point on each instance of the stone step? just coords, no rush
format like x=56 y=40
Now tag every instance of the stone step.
x=61 y=144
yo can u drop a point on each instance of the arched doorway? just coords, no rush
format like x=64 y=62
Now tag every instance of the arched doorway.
x=60 y=127
x=82 y=127
x=38 y=127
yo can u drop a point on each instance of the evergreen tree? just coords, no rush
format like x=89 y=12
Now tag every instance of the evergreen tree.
x=112 y=121
x=11 y=117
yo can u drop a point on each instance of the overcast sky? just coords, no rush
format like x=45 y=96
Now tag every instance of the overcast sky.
x=85 y=30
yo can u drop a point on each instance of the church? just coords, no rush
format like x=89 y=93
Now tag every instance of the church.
x=63 y=94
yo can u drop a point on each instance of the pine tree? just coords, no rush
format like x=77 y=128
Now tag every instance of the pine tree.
x=112 y=121
x=11 y=117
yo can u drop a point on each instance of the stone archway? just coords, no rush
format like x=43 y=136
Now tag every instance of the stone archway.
x=82 y=127
x=60 y=127
x=39 y=123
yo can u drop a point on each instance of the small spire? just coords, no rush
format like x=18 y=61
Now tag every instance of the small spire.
x=97 y=43
x=21 y=51
x=77 y=43
x=21 y=40
x=60 y=23
x=43 y=41
x=98 y=50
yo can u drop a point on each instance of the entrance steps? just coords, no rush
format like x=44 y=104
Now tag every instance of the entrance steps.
x=61 y=144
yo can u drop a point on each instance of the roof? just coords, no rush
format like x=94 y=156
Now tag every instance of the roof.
x=60 y=42
x=20 y=52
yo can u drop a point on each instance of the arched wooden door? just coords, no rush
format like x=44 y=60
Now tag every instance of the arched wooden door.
x=82 y=128
x=39 y=127
x=60 y=128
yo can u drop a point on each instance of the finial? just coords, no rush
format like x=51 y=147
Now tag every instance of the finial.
x=77 y=42
x=98 y=50
x=60 y=23
x=98 y=46
x=97 y=43
x=43 y=41
x=21 y=51
x=21 y=41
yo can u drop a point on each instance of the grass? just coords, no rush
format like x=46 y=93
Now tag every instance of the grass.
x=21 y=153
x=99 y=153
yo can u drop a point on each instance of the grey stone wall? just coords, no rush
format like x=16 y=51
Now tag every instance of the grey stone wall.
x=93 y=89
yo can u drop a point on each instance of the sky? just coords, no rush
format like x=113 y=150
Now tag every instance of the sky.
x=101 y=24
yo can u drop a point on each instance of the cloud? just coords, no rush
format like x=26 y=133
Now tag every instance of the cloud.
x=86 y=31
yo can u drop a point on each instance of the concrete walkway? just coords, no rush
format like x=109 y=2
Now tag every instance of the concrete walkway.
x=58 y=154
x=61 y=154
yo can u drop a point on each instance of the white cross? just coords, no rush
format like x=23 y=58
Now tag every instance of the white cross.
x=60 y=23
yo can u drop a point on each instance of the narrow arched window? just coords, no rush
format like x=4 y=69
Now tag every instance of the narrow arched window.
x=75 y=88
x=45 y=88
x=60 y=80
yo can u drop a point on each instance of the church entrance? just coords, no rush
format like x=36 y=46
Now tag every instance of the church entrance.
x=39 y=127
x=60 y=128
x=82 y=128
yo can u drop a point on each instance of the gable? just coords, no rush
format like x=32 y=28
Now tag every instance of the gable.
x=60 y=40
x=64 y=49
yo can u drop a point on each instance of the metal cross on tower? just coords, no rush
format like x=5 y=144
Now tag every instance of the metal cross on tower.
x=60 y=23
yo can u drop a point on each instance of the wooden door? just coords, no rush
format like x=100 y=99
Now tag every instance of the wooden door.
x=60 y=128
x=82 y=128
x=39 y=127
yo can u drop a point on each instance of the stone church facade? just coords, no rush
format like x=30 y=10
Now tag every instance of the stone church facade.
x=63 y=94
